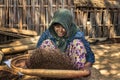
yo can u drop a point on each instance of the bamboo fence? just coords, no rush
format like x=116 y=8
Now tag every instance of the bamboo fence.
x=95 y=19
x=30 y=14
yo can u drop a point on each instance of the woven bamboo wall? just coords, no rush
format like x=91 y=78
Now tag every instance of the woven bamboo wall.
x=99 y=18
x=95 y=21
x=99 y=22
x=30 y=14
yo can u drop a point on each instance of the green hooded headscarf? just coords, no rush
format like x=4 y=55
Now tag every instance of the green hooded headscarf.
x=65 y=18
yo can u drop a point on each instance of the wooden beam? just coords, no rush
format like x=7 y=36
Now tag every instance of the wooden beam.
x=13 y=34
x=23 y=41
x=16 y=49
x=18 y=31
x=6 y=68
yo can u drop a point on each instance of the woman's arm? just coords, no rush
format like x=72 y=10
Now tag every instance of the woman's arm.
x=41 y=39
x=90 y=55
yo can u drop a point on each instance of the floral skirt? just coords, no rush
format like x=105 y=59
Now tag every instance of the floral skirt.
x=75 y=50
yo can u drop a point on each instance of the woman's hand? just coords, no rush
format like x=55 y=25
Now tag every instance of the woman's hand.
x=88 y=64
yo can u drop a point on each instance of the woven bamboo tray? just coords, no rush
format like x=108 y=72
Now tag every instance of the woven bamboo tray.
x=18 y=65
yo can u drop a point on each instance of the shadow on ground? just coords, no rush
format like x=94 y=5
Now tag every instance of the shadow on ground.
x=107 y=60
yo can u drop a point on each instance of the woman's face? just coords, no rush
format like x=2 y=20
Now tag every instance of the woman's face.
x=60 y=31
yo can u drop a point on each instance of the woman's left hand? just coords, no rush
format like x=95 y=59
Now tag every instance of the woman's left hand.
x=88 y=64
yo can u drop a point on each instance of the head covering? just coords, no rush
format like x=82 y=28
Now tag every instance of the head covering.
x=65 y=18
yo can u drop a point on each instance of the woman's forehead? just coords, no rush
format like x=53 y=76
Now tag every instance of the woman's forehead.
x=58 y=25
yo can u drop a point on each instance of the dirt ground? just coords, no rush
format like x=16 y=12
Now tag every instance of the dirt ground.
x=107 y=60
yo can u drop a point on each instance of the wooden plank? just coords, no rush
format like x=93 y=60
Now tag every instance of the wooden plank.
x=107 y=18
x=29 y=21
x=48 y=11
x=105 y=31
x=20 y=15
x=99 y=23
x=6 y=11
x=33 y=13
x=18 y=31
x=36 y=19
x=43 y=15
x=119 y=18
x=24 y=14
x=112 y=32
x=15 y=12
x=54 y=2
x=99 y=18
x=112 y=28
x=69 y=4
x=81 y=16
x=64 y=3
x=77 y=18
x=12 y=34
x=92 y=21
x=41 y=7
x=85 y=17
x=17 y=49
x=104 y=22
x=118 y=28
x=10 y=13
x=115 y=22
x=2 y=22
x=39 y=28
x=6 y=68
x=1 y=15
x=6 y=39
x=23 y=41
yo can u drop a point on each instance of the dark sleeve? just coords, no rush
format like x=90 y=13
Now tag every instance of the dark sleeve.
x=41 y=39
x=90 y=55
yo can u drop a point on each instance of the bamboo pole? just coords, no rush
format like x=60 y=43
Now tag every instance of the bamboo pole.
x=19 y=42
x=18 y=31
x=16 y=49
x=1 y=11
x=24 y=13
x=6 y=68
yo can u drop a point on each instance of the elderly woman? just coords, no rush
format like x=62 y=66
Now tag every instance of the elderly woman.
x=63 y=34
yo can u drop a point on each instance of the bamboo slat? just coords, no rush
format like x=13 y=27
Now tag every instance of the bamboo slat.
x=36 y=19
x=85 y=16
x=42 y=16
x=115 y=20
x=19 y=42
x=24 y=13
x=33 y=12
x=77 y=20
x=17 y=31
x=118 y=28
x=20 y=17
x=48 y=12
x=1 y=16
x=28 y=21
x=17 y=49
x=92 y=20
x=36 y=15
x=10 y=14
x=98 y=23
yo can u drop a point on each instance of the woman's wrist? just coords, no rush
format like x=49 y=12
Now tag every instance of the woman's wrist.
x=88 y=64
